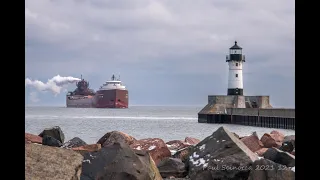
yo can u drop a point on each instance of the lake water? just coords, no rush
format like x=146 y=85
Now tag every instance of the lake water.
x=165 y=122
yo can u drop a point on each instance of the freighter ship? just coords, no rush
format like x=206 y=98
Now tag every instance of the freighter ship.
x=112 y=94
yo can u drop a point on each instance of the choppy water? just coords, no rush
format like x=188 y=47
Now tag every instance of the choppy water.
x=165 y=122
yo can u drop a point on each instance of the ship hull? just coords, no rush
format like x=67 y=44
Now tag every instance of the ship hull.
x=79 y=101
x=112 y=98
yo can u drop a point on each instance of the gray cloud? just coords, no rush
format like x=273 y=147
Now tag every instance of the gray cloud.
x=179 y=38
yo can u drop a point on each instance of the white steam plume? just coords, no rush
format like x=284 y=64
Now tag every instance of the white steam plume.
x=54 y=85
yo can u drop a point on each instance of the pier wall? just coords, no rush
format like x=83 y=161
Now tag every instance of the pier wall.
x=246 y=110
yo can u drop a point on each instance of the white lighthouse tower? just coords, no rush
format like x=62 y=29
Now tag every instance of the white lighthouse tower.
x=235 y=60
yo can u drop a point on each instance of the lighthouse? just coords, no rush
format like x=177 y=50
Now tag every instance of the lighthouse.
x=235 y=61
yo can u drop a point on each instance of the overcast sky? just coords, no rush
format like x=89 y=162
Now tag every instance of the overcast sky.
x=168 y=52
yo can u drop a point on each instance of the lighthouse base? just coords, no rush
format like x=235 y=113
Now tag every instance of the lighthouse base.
x=236 y=92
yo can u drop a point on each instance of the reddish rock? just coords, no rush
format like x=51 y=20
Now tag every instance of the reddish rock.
x=261 y=151
x=278 y=136
x=192 y=141
x=252 y=142
x=271 y=140
x=87 y=148
x=176 y=145
x=115 y=136
x=156 y=147
x=33 y=138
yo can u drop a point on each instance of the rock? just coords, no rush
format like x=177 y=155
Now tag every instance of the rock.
x=87 y=148
x=192 y=141
x=172 y=167
x=293 y=152
x=223 y=151
x=265 y=169
x=50 y=141
x=183 y=154
x=156 y=147
x=261 y=151
x=115 y=136
x=32 y=138
x=74 y=142
x=289 y=138
x=280 y=157
x=45 y=162
x=288 y=146
x=252 y=142
x=54 y=132
x=175 y=145
x=278 y=136
x=271 y=140
x=118 y=162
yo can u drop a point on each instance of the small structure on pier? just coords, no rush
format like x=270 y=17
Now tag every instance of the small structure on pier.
x=235 y=108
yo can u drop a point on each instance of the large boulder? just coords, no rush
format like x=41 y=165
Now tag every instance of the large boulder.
x=265 y=169
x=278 y=136
x=289 y=143
x=191 y=140
x=52 y=163
x=220 y=156
x=156 y=147
x=271 y=140
x=51 y=141
x=118 y=162
x=32 y=138
x=74 y=142
x=288 y=146
x=252 y=142
x=54 y=132
x=87 y=148
x=115 y=136
x=280 y=157
x=172 y=167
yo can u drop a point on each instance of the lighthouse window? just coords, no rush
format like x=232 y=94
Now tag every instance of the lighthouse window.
x=236 y=64
x=236 y=75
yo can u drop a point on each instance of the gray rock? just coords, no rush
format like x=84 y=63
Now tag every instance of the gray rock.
x=280 y=157
x=118 y=162
x=288 y=146
x=74 y=142
x=220 y=156
x=289 y=138
x=265 y=169
x=54 y=132
x=51 y=163
x=172 y=167
x=50 y=141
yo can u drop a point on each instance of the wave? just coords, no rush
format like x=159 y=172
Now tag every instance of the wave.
x=109 y=117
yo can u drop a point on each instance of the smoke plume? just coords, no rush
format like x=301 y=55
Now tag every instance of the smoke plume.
x=54 y=84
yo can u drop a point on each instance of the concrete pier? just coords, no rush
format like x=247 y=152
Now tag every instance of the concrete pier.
x=246 y=110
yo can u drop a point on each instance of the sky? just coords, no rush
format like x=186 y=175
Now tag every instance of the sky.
x=166 y=52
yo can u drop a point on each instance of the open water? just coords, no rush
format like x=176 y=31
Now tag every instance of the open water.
x=165 y=122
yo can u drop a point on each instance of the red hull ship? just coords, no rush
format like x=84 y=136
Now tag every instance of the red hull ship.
x=112 y=94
